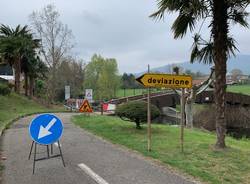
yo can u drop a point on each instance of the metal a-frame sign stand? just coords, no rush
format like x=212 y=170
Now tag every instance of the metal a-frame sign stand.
x=45 y=130
x=49 y=154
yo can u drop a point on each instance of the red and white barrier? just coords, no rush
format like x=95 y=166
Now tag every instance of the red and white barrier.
x=108 y=107
x=74 y=103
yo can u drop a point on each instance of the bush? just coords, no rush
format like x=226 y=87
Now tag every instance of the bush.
x=136 y=112
x=40 y=88
x=4 y=89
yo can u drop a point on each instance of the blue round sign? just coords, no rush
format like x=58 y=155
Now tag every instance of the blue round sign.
x=46 y=129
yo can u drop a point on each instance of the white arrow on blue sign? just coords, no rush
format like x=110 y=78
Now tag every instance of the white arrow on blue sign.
x=46 y=129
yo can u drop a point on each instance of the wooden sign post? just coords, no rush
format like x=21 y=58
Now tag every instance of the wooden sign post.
x=149 y=117
x=182 y=118
x=168 y=81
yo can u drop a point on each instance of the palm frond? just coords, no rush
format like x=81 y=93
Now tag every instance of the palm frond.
x=190 y=11
x=166 y=6
x=182 y=23
x=17 y=43
x=238 y=3
x=206 y=53
x=231 y=47
x=5 y=30
x=202 y=51
x=239 y=17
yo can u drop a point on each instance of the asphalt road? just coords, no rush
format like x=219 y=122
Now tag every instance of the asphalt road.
x=88 y=159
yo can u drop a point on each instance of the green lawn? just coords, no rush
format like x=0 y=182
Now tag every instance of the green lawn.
x=131 y=92
x=243 y=89
x=199 y=159
x=14 y=106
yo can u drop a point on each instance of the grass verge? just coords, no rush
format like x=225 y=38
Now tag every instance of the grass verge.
x=132 y=92
x=199 y=158
x=243 y=89
x=15 y=106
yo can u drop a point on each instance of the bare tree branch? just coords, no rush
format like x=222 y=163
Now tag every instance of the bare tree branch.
x=55 y=38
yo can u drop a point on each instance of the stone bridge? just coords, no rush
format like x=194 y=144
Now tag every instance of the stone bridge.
x=237 y=125
x=169 y=99
x=161 y=99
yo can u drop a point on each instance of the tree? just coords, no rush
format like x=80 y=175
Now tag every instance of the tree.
x=125 y=81
x=30 y=62
x=40 y=78
x=36 y=70
x=55 y=41
x=16 y=45
x=93 y=72
x=189 y=72
x=190 y=96
x=128 y=81
x=236 y=73
x=108 y=81
x=71 y=72
x=101 y=75
x=220 y=13
x=136 y=111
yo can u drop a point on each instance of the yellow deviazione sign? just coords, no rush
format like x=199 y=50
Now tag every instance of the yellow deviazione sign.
x=165 y=80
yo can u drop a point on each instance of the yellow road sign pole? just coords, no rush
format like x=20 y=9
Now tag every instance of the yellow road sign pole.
x=149 y=117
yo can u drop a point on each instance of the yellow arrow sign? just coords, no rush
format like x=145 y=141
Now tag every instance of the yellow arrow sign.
x=165 y=80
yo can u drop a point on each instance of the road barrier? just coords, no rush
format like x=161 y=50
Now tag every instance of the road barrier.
x=107 y=107
x=73 y=104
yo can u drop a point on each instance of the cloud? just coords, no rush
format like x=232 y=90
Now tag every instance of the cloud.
x=116 y=29
x=91 y=18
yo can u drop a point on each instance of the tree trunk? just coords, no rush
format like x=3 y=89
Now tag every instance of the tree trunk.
x=138 y=126
x=31 y=87
x=220 y=33
x=17 y=67
x=54 y=64
x=52 y=84
x=189 y=113
x=26 y=84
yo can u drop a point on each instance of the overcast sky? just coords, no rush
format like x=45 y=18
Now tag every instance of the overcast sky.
x=119 y=29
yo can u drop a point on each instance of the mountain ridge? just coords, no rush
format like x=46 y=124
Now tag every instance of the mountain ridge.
x=241 y=62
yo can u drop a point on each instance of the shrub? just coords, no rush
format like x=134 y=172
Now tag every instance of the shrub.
x=4 y=89
x=136 y=112
x=40 y=89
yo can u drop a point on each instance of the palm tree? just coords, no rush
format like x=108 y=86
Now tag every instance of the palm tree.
x=220 y=14
x=10 y=47
x=15 y=45
x=29 y=57
x=34 y=68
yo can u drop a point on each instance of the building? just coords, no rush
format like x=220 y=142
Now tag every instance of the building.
x=237 y=79
x=6 y=73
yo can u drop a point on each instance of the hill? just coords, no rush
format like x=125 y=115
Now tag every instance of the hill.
x=241 y=62
x=14 y=106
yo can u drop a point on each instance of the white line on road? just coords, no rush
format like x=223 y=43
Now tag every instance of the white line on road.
x=92 y=174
